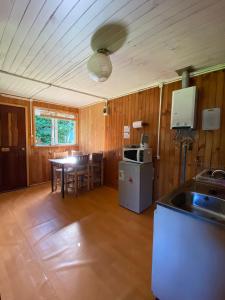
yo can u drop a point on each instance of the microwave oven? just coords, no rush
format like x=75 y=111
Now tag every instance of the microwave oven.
x=138 y=155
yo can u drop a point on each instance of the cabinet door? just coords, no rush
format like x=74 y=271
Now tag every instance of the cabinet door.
x=188 y=257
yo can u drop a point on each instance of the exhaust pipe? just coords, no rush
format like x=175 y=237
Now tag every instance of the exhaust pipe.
x=185 y=81
x=185 y=76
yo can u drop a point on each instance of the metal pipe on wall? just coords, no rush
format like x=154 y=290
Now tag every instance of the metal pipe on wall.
x=159 y=119
x=183 y=162
x=31 y=119
x=185 y=79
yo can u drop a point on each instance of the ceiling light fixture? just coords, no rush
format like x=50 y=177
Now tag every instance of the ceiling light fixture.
x=99 y=65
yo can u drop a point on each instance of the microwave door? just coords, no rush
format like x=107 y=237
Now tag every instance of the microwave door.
x=131 y=154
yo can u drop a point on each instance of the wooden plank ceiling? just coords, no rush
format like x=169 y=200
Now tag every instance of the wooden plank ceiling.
x=49 y=40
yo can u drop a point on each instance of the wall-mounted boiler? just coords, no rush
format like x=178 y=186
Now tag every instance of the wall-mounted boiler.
x=183 y=108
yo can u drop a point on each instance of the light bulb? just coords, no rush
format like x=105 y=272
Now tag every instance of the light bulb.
x=99 y=67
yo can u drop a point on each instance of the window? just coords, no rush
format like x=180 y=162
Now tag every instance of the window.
x=54 y=128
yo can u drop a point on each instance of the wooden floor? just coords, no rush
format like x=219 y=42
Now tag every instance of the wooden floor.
x=73 y=249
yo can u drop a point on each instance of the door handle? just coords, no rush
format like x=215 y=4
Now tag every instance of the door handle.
x=5 y=149
x=23 y=149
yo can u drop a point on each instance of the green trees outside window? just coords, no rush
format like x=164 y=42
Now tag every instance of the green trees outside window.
x=43 y=128
x=54 y=131
x=66 y=130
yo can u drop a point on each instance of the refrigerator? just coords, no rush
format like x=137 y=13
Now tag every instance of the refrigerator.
x=135 y=185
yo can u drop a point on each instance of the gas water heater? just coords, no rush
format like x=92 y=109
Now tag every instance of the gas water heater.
x=183 y=108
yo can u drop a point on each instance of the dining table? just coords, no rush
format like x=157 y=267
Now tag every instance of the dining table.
x=63 y=164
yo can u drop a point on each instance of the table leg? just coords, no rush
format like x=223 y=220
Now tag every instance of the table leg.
x=102 y=172
x=92 y=176
x=62 y=186
x=52 y=176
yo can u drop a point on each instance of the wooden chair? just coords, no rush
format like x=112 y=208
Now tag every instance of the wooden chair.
x=80 y=176
x=57 y=172
x=96 y=166
x=76 y=152
x=60 y=154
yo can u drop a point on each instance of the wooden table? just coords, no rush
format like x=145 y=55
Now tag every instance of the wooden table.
x=69 y=162
x=62 y=163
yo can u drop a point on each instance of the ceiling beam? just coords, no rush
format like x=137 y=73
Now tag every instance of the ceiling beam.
x=48 y=84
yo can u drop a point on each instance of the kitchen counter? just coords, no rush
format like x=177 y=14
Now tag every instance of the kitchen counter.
x=210 y=208
x=188 y=259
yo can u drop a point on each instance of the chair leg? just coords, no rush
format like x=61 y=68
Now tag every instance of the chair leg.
x=75 y=184
x=56 y=181
x=92 y=177
x=102 y=172
x=88 y=180
x=66 y=182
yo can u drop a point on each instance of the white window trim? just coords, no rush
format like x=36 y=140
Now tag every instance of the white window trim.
x=54 y=137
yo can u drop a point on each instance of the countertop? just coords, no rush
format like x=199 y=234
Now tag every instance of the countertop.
x=198 y=187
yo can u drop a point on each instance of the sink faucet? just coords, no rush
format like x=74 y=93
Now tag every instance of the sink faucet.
x=222 y=172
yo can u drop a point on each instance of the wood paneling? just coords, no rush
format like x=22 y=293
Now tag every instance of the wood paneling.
x=50 y=41
x=105 y=133
x=38 y=165
x=208 y=147
x=123 y=111
x=92 y=128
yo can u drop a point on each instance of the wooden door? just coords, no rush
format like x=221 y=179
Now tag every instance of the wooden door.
x=13 y=172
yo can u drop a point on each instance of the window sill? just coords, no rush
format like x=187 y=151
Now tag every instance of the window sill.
x=54 y=146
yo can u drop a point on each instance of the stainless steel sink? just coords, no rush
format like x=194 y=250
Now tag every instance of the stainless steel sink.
x=212 y=177
x=200 y=199
x=190 y=224
x=203 y=204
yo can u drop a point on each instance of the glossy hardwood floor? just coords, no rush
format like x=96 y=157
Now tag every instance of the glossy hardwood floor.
x=73 y=249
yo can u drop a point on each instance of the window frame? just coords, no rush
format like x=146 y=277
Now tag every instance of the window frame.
x=69 y=112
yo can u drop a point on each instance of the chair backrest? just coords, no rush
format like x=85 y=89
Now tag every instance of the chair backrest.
x=82 y=160
x=76 y=152
x=60 y=154
x=97 y=157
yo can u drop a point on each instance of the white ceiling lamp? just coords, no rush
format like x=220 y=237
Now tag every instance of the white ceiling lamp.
x=99 y=65
x=106 y=40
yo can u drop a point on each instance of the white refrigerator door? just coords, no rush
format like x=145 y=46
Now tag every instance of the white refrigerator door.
x=129 y=186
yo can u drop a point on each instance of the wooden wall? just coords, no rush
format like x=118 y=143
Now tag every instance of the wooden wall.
x=92 y=128
x=97 y=133
x=123 y=111
x=208 y=146
x=38 y=164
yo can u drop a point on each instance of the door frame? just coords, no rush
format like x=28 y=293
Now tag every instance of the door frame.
x=26 y=128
